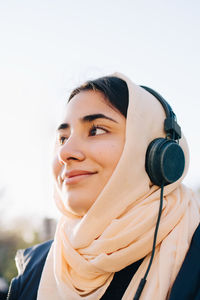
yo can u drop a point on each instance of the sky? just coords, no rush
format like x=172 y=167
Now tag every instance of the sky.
x=48 y=47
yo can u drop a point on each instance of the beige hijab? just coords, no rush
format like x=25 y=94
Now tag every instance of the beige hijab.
x=118 y=229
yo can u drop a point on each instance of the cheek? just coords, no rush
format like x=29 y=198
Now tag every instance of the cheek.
x=115 y=154
x=56 y=166
x=108 y=154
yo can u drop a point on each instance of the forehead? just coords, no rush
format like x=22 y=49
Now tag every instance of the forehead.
x=86 y=103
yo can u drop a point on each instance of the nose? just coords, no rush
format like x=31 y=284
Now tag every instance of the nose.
x=71 y=150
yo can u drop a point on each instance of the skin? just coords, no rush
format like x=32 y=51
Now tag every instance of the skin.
x=89 y=145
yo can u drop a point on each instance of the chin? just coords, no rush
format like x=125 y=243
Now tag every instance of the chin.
x=76 y=207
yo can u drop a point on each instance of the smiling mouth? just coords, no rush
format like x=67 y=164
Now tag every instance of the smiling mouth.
x=76 y=178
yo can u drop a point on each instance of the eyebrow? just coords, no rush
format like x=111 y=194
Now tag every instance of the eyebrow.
x=88 y=118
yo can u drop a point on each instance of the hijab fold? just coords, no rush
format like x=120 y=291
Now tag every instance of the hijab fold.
x=118 y=229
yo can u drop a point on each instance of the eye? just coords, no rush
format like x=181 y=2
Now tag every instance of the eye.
x=97 y=130
x=61 y=140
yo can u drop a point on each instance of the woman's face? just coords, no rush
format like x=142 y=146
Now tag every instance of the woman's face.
x=89 y=143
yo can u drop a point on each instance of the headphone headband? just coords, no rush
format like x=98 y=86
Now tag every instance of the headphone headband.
x=171 y=127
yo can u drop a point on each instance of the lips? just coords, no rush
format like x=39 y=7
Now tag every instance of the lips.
x=74 y=176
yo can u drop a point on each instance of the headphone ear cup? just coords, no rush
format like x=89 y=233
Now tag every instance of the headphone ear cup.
x=165 y=161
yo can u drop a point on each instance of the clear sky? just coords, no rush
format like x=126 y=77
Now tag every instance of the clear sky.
x=47 y=47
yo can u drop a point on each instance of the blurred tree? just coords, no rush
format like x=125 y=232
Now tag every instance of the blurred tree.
x=20 y=235
x=10 y=242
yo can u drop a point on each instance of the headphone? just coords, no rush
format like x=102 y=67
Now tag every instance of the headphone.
x=165 y=160
x=164 y=164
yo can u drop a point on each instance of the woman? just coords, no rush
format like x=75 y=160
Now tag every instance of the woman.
x=109 y=206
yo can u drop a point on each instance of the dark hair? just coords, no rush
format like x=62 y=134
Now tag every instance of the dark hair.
x=114 y=90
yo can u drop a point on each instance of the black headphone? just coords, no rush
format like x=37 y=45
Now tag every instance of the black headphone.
x=165 y=163
x=165 y=160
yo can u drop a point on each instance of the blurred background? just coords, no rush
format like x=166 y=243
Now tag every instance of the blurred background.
x=48 y=47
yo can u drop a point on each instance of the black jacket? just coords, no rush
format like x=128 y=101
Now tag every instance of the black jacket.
x=32 y=260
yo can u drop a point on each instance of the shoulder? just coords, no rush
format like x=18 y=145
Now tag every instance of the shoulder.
x=187 y=283
x=31 y=257
x=30 y=263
